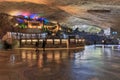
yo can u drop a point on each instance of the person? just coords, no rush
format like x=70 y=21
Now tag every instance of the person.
x=36 y=45
x=7 y=45
x=44 y=44
x=94 y=42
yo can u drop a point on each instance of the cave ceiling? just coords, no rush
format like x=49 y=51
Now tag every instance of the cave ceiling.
x=101 y=13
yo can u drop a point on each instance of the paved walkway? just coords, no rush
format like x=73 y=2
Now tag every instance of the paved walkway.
x=93 y=63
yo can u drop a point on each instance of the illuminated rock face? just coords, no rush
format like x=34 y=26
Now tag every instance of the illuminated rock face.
x=102 y=13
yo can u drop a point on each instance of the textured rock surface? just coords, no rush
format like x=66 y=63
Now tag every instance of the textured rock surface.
x=102 y=13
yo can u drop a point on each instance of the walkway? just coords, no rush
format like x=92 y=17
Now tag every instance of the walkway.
x=93 y=63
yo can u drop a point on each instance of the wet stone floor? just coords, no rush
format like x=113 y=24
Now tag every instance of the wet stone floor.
x=92 y=63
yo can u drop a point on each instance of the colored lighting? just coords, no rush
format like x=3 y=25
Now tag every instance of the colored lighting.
x=16 y=12
x=46 y=21
x=20 y=20
x=33 y=16
x=40 y=19
x=23 y=26
x=25 y=16
x=43 y=19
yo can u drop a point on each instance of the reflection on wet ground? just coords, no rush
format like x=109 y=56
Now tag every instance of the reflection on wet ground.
x=92 y=63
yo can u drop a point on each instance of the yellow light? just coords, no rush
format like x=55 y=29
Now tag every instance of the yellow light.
x=16 y=24
x=83 y=40
x=15 y=12
x=80 y=40
x=39 y=27
x=34 y=40
x=57 y=40
x=28 y=40
x=23 y=40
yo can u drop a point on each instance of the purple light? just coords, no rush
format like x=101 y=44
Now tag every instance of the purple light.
x=20 y=20
x=33 y=16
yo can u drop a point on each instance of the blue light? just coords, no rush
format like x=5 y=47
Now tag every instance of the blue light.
x=43 y=19
x=32 y=16
x=114 y=32
x=46 y=21
x=20 y=20
x=26 y=17
x=40 y=19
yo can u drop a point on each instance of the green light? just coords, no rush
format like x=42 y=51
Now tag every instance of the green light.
x=23 y=26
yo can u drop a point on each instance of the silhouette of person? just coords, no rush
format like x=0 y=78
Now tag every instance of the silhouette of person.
x=104 y=42
x=94 y=42
x=36 y=45
x=44 y=44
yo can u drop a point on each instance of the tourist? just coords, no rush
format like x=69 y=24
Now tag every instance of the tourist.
x=44 y=44
x=36 y=45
